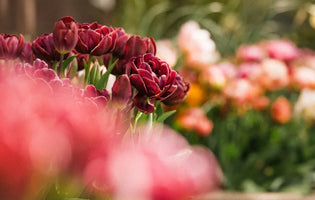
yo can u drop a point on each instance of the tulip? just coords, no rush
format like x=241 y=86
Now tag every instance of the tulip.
x=196 y=120
x=282 y=50
x=122 y=91
x=153 y=80
x=196 y=44
x=27 y=54
x=177 y=93
x=65 y=35
x=44 y=48
x=133 y=47
x=281 y=110
x=250 y=53
x=95 y=39
x=11 y=46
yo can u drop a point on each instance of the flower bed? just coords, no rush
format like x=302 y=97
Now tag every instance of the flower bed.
x=67 y=131
x=254 y=109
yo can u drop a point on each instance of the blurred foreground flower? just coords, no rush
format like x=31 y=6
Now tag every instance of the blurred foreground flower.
x=160 y=165
x=40 y=112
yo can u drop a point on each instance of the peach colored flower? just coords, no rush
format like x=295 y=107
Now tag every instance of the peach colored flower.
x=250 y=70
x=305 y=105
x=166 y=51
x=196 y=120
x=241 y=91
x=195 y=42
x=260 y=103
x=214 y=77
x=250 y=53
x=274 y=74
x=281 y=110
x=303 y=77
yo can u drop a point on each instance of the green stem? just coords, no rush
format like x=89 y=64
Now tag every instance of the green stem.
x=138 y=116
x=150 y=122
x=87 y=69
x=60 y=72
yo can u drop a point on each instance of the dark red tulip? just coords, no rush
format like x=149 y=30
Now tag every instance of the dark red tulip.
x=65 y=35
x=95 y=39
x=137 y=45
x=132 y=46
x=27 y=54
x=122 y=38
x=152 y=78
x=44 y=48
x=122 y=91
x=11 y=46
x=177 y=93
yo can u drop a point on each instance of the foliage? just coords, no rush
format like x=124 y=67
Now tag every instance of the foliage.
x=231 y=23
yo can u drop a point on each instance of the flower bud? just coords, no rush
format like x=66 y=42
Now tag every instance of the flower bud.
x=65 y=35
x=10 y=46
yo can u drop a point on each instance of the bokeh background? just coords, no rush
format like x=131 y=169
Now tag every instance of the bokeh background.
x=230 y=22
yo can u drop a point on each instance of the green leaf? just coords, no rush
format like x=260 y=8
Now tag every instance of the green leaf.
x=158 y=111
x=74 y=69
x=87 y=68
x=67 y=62
x=164 y=116
x=102 y=83
x=92 y=74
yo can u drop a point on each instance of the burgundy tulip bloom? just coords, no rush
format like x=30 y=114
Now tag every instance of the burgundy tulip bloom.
x=122 y=91
x=152 y=78
x=10 y=46
x=177 y=93
x=65 y=35
x=44 y=48
x=27 y=54
x=133 y=46
x=95 y=39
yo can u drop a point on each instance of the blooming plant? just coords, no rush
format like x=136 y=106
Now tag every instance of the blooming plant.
x=255 y=110
x=64 y=134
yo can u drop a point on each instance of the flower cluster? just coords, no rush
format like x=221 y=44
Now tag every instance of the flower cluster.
x=123 y=54
x=57 y=141
x=243 y=82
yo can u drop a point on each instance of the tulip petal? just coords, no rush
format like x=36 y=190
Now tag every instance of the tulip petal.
x=137 y=81
x=143 y=104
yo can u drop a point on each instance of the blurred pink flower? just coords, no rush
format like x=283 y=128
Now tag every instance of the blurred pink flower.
x=166 y=51
x=275 y=74
x=196 y=120
x=283 y=50
x=197 y=46
x=214 y=77
x=250 y=53
x=241 y=91
x=250 y=70
x=303 y=77
x=159 y=164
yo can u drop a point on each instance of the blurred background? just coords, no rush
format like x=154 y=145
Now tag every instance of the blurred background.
x=231 y=22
